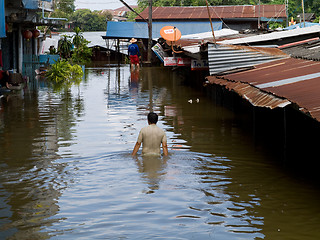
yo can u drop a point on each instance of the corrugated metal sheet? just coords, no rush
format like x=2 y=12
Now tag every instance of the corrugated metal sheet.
x=252 y=94
x=217 y=12
x=274 y=36
x=296 y=80
x=225 y=58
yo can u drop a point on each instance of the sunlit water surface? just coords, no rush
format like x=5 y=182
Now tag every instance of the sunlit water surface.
x=67 y=173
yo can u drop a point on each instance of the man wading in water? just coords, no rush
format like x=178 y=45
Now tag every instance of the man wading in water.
x=134 y=54
x=151 y=138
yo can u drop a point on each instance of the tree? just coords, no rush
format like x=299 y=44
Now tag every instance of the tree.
x=89 y=21
x=63 y=8
x=81 y=53
x=65 y=47
x=78 y=37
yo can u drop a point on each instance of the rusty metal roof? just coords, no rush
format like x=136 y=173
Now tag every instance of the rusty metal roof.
x=296 y=80
x=217 y=12
x=252 y=94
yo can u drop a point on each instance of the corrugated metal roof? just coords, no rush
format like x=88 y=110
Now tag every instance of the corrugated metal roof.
x=252 y=94
x=140 y=29
x=190 y=43
x=308 y=49
x=217 y=12
x=274 y=36
x=225 y=58
x=296 y=80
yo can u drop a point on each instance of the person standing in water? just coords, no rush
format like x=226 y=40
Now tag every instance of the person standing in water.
x=151 y=138
x=134 y=53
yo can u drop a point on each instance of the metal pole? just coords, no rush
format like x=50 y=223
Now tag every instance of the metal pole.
x=150 y=32
x=287 y=13
x=304 y=22
x=259 y=23
x=20 y=51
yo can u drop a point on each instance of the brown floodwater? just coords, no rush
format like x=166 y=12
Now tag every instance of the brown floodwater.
x=67 y=173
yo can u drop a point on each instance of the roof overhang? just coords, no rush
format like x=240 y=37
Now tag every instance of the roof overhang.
x=277 y=84
x=250 y=93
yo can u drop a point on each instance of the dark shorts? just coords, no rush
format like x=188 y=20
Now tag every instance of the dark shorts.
x=134 y=59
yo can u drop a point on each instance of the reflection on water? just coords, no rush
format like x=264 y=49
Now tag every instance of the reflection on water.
x=67 y=172
x=153 y=168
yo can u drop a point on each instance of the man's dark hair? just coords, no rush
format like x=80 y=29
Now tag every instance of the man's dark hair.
x=153 y=118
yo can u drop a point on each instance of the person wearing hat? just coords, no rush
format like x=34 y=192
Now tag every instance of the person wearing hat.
x=134 y=53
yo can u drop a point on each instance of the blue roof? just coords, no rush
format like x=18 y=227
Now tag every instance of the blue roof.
x=301 y=25
x=140 y=29
x=2 y=20
x=264 y=19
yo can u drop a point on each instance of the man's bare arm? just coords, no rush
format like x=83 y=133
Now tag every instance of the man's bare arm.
x=165 y=149
x=136 y=148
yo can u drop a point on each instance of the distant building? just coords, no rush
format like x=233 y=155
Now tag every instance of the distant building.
x=121 y=14
x=308 y=17
x=233 y=17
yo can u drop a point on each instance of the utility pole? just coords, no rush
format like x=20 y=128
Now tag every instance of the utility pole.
x=150 y=32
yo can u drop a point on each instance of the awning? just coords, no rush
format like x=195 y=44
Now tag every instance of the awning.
x=140 y=29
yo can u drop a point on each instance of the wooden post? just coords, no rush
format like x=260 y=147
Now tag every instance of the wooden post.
x=118 y=51
x=150 y=32
x=214 y=38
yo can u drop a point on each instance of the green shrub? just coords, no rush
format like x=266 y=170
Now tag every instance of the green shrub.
x=63 y=75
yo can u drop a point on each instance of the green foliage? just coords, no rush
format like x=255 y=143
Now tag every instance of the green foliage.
x=131 y=15
x=66 y=6
x=275 y=25
x=52 y=50
x=77 y=38
x=90 y=21
x=65 y=47
x=63 y=75
x=106 y=15
x=82 y=53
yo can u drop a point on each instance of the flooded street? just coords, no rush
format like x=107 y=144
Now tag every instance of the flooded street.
x=67 y=172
